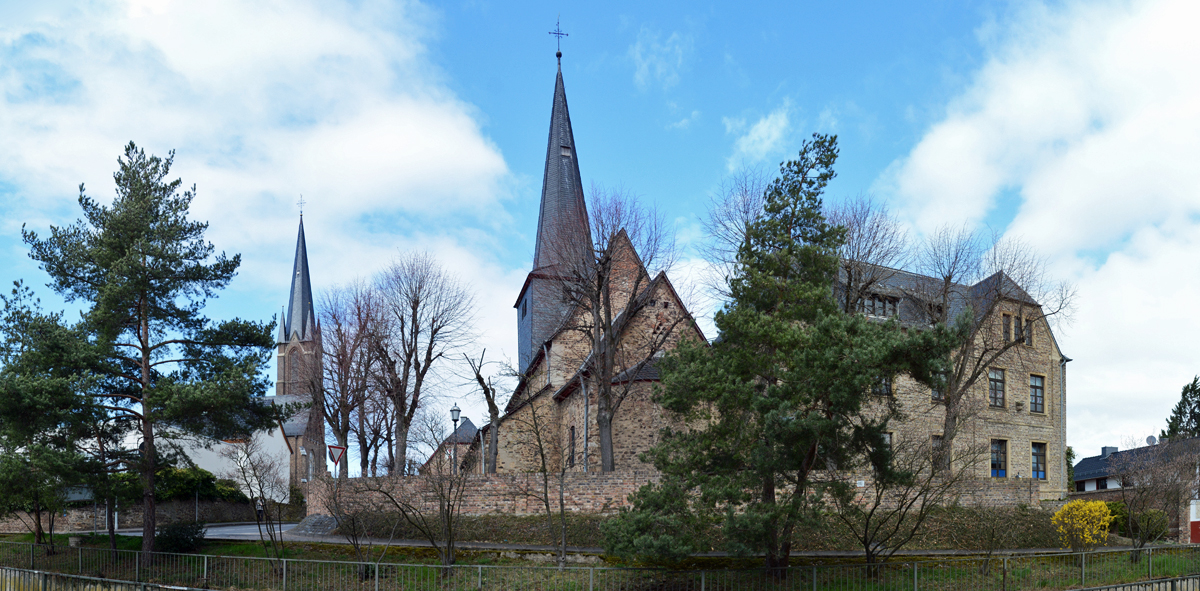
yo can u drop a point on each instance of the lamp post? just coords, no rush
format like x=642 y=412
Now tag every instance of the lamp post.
x=454 y=412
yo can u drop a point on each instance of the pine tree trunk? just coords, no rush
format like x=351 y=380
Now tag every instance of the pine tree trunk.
x=148 y=508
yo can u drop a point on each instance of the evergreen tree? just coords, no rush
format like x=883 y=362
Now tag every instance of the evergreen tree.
x=1185 y=417
x=146 y=271
x=781 y=395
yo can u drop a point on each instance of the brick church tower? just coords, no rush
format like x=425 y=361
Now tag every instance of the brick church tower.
x=298 y=360
x=563 y=233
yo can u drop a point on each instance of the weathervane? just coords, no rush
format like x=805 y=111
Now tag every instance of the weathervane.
x=559 y=34
x=301 y=203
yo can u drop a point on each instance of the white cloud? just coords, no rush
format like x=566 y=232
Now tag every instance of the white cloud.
x=764 y=138
x=658 y=60
x=1087 y=115
x=264 y=100
x=686 y=122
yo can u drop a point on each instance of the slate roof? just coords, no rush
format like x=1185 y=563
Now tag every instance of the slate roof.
x=297 y=423
x=906 y=286
x=301 y=318
x=563 y=208
x=1098 y=466
x=465 y=433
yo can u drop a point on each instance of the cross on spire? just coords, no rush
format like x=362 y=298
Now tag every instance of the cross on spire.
x=559 y=34
x=301 y=203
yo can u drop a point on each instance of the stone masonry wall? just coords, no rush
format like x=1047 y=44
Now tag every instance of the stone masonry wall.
x=85 y=519
x=592 y=492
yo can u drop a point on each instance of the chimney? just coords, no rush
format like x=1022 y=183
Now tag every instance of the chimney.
x=1107 y=451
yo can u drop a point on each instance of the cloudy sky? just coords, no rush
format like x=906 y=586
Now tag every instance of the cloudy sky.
x=1072 y=125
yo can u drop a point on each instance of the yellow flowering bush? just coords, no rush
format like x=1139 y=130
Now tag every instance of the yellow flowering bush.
x=1082 y=525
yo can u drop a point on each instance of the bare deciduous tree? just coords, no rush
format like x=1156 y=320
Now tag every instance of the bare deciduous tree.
x=489 y=390
x=605 y=285
x=909 y=479
x=263 y=475
x=551 y=460
x=997 y=292
x=429 y=502
x=875 y=248
x=347 y=317
x=426 y=314
x=1155 y=481
x=738 y=202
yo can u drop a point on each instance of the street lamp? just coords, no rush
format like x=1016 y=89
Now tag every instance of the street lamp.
x=454 y=413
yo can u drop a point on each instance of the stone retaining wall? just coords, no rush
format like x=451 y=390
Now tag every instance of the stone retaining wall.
x=85 y=519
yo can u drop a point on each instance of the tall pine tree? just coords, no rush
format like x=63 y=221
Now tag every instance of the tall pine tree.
x=1185 y=417
x=781 y=395
x=145 y=270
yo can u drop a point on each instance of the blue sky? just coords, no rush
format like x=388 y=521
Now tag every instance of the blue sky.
x=1074 y=126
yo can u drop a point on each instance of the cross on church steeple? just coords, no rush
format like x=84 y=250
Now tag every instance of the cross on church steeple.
x=559 y=34
x=301 y=203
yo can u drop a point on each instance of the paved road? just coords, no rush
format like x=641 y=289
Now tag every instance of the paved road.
x=223 y=531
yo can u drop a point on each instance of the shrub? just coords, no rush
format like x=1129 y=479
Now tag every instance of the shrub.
x=179 y=537
x=1082 y=525
x=1120 y=517
x=1150 y=524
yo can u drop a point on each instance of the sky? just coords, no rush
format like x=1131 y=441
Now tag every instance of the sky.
x=1073 y=126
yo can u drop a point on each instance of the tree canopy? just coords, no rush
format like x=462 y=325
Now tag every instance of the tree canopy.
x=782 y=394
x=145 y=272
x=1185 y=417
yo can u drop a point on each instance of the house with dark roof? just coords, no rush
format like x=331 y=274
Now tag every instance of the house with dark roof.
x=1094 y=473
x=453 y=449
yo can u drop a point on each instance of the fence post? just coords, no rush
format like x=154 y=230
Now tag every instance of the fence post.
x=377 y=576
x=205 y=568
x=137 y=566
x=1083 y=568
x=591 y=578
x=1150 y=560
x=814 y=578
x=284 y=574
x=702 y=580
x=914 y=576
x=1004 y=579
x=31 y=547
x=479 y=581
x=80 y=559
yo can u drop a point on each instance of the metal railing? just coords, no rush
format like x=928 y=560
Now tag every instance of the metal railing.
x=15 y=578
x=1008 y=573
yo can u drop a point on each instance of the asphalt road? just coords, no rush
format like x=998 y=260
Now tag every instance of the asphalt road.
x=220 y=531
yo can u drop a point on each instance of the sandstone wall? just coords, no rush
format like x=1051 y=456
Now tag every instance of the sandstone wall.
x=85 y=519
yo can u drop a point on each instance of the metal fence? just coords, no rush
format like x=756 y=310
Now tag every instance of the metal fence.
x=1044 y=571
x=13 y=579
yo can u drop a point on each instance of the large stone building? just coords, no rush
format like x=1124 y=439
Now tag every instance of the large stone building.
x=1014 y=413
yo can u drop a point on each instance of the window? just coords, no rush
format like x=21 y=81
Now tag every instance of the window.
x=883 y=387
x=566 y=151
x=996 y=388
x=571 y=455
x=1028 y=332
x=887 y=440
x=999 y=458
x=524 y=308
x=1080 y=486
x=1101 y=483
x=937 y=394
x=1007 y=328
x=1039 y=461
x=941 y=460
x=1037 y=394
x=878 y=305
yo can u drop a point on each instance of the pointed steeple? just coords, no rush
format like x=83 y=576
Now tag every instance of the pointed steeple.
x=563 y=216
x=563 y=233
x=282 y=338
x=300 y=312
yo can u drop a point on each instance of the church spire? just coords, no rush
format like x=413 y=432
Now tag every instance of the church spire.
x=300 y=313
x=563 y=215
x=562 y=234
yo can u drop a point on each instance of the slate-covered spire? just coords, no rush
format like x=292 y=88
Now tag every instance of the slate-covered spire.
x=563 y=233
x=300 y=313
x=563 y=216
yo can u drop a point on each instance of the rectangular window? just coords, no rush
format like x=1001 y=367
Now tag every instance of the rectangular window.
x=1101 y=484
x=941 y=460
x=1007 y=328
x=571 y=454
x=566 y=151
x=1037 y=394
x=887 y=440
x=1029 y=332
x=1080 y=486
x=996 y=388
x=937 y=395
x=883 y=387
x=1039 y=461
x=999 y=458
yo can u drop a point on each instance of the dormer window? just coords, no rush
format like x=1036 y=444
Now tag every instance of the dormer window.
x=879 y=305
x=566 y=151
